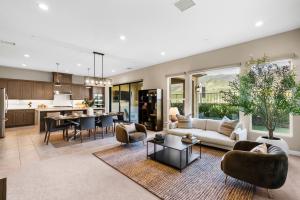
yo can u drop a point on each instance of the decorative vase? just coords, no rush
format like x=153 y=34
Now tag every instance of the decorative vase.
x=279 y=142
x=90 y=111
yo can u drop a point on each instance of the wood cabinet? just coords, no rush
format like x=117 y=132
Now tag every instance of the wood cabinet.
x=3 y=83
x=48 y=93
x=42 y=91
x=63 y=78
x=80 y=92
x=14 y=89
x=26 y=89
x=20 y=118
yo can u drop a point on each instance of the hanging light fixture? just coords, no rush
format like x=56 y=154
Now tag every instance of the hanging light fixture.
x=57 y=82
x=95 y=81
x=87 y=80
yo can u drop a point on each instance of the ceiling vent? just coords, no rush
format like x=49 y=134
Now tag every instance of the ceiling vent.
x=183 y=5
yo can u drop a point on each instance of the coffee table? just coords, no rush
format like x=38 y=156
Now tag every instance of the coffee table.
x=173 y=152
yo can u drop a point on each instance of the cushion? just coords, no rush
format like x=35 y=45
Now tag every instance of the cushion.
x=184 y=121
x=262 y=148
x=130 y=128
x=234 y=134
x=137 y=136
x=172 y=125
x=227 y=126
x=213 y=125
x=199 y=123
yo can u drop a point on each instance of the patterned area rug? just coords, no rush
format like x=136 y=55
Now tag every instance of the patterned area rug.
x=203 y=179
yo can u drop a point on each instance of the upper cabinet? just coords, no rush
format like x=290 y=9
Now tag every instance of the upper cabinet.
x=63 y=78
x=3 y=83
x=80 y=92
x=14 y=90
x=27 y=89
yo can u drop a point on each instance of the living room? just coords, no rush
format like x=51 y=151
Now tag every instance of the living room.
x=100 y=109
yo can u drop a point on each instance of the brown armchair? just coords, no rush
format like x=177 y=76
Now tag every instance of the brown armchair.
x=263 y=170
x=124 y=137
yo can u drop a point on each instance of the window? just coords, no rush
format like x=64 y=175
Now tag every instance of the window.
x=283 y=127
x=124 y=98
x=207 y=98
x=177 y=93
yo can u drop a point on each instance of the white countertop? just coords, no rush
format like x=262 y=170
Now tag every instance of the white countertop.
x=63 y=109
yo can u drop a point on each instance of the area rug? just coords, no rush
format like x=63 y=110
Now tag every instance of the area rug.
x=203 y=179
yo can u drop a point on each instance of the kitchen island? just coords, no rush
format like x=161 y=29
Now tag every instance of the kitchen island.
x=41 y=113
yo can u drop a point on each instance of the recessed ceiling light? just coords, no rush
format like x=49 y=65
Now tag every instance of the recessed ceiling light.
x=122 y=37
x=113 y=71
x=26 y=55
x=78 y=64
x=24 y=65
x=163 y=53
x=259 y=23
x=43 y=6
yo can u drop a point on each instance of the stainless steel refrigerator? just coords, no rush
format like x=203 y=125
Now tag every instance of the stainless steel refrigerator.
x=3 y=111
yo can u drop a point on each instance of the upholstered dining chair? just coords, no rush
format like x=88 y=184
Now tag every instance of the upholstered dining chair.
x=85 y=123
x=51 y=126
x=105 y=122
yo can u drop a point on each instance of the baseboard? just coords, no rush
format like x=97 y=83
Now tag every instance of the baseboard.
x=294 y=153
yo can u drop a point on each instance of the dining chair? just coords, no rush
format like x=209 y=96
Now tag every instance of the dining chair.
x=51 y=126
x=104 y=122
x=85 y=123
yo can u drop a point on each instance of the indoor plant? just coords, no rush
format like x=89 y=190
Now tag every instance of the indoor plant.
x=89 y=103
x=268 y=91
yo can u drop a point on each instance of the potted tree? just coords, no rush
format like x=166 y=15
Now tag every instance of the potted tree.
x=268 y=91
x=89 y=104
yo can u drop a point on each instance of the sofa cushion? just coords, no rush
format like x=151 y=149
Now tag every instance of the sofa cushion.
x=137 y=136
x=213 y=125
x=262 y=148
x=130 y=128
x=184 y=121
x=199 y=123
x=212 y=137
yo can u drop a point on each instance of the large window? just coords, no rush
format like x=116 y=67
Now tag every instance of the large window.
x=124 y=98
x=177 y=93
x=283 y=127
x=207 y=97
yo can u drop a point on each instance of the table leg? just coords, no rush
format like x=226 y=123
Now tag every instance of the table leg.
x=187 y=156
x=154 y=151
x=147 y=151
x=180 y=160
x=200 y=150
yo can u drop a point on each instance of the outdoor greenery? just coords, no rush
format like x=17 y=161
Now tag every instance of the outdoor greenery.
x=180 y=107
x=218 y=111
x=265 y=90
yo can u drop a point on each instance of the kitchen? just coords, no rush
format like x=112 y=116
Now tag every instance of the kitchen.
x=28 y=101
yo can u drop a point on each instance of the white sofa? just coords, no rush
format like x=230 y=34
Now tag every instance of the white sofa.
x=207 y=130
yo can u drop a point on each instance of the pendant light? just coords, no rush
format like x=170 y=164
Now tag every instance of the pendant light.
x=57 y=82
x=87 y=80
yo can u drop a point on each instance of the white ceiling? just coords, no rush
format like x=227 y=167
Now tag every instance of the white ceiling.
x=71 y=29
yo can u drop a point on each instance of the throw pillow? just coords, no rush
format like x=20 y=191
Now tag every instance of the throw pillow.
x=213 y=125
x=262 y=148
x=184 y=121
x=227 y=126
x=130 y=128
x=234 y=135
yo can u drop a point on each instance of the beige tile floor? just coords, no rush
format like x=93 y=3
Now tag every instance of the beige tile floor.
x=38 y=171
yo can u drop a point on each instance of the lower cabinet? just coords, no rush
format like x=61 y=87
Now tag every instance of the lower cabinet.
x=20 y=118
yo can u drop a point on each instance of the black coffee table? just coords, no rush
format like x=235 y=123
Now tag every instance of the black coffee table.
x=173 y=152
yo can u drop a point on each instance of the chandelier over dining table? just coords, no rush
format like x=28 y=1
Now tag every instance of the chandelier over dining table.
x=97 y=81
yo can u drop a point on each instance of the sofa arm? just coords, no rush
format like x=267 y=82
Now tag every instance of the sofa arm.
x=241 y=134
x=264 y=170
x=121 y=134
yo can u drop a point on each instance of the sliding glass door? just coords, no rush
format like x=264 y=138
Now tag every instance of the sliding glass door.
x=124 y=98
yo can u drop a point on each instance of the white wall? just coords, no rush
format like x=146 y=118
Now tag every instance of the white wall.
x=274 y=46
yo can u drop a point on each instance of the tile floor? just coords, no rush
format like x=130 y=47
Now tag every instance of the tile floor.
x=70 y=171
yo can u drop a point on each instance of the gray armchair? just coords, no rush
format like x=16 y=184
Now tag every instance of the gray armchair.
x=124 y=137
x=263 y=170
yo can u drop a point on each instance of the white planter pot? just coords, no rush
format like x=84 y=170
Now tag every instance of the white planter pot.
x=277 y=142
x=90 y=111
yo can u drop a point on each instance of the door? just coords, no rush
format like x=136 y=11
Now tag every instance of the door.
x=38 y=90
x=115 y=98
x=14 y=89
x=48 y=91
x=3 y=83
x=125 y=100
x=19 y=117
x=28 y=117
x=10 y=118
x=134 y=101
x=27 y=88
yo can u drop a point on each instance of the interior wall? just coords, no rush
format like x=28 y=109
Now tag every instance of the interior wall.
x=276 y=46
